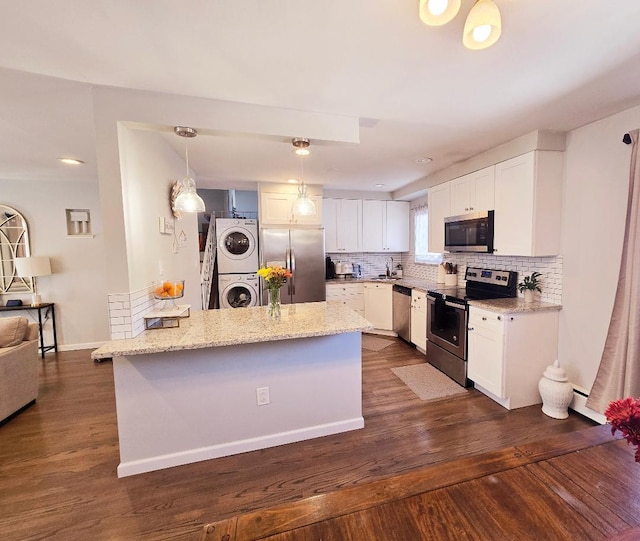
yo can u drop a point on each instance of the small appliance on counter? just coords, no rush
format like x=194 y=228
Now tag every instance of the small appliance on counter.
x=356 y=270
x=342 y=269
x=330 y=269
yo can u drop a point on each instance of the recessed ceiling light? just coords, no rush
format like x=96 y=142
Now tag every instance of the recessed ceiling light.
x=71 y=161
x=379 y=185
x=424 y=160
x=293 y=181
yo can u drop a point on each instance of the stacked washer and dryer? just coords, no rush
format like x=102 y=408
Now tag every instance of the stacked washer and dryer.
x=238 y=262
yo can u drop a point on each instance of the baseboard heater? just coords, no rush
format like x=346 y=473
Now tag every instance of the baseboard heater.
x=579 y=405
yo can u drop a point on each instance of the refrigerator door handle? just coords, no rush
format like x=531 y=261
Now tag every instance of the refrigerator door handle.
x=292 y=256
x=288 y=267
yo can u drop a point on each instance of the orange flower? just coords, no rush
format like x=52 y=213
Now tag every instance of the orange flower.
x=275 y=276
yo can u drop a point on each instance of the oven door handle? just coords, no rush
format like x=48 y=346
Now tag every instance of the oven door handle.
x=454 y=305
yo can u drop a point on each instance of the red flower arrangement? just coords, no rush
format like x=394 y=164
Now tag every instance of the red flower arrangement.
x=624 y=415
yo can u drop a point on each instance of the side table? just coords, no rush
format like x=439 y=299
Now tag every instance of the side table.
x=48 y=307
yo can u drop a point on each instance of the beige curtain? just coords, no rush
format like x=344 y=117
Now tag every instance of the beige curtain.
x=619 y=372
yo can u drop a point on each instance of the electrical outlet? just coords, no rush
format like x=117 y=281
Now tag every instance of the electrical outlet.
x=262 y=396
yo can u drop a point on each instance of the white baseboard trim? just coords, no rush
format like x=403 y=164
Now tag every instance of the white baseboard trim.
x=75 y=347
x=381 y=332
x=135 y=467
x=579 y=405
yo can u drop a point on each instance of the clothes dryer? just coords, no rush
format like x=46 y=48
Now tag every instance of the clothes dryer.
x=239 y=290
x=237 y=241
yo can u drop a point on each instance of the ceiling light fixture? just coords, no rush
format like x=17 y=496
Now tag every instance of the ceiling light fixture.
x=71 y=161
x=302 y=206
x=184 y=195
x=482 y=27
x=293 y=181
x=438 y=12
x=424 y=160
x=301 y=146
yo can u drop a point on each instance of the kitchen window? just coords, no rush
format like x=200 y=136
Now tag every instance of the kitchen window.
x=421 y=237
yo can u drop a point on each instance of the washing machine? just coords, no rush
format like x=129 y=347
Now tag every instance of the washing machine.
x=237 y=241
x=239 y=290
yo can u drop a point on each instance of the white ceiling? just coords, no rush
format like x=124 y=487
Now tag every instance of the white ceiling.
x=417 y=91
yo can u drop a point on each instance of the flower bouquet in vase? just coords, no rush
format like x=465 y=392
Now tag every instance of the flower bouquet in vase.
x=275 y=277
x=624 y=415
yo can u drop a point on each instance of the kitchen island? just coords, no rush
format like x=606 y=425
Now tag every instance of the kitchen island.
x=191 y=393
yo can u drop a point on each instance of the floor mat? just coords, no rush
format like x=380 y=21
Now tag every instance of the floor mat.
x=427 y=382
x=373 y=343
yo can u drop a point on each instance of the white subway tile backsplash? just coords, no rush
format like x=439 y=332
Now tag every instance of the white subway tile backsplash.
x=127 y=310
x=549 y=267
x=373 y=264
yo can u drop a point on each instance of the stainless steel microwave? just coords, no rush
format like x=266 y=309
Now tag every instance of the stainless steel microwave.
x=469 y=232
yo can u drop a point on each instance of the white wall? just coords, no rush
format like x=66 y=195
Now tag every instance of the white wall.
x=78 y=283
x=594 y=211
x=149 y=167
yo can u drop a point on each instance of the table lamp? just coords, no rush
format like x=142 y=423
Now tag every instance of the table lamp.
x=30 y=267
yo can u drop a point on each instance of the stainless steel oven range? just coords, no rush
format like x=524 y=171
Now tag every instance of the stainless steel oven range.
x=447 y=315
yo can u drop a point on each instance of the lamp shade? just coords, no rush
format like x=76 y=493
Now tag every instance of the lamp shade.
x=303 y=206
x=483 y=25
x=188 y=199
x=438 y=12
x=28 y=267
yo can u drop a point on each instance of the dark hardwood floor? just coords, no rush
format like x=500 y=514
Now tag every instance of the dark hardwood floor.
x=58 y=459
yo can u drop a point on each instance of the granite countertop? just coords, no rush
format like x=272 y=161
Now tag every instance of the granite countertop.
x=215 y=328
x=413 y=283
x=514 y=305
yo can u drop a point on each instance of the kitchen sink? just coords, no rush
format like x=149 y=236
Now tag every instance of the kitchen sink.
x=384 y=279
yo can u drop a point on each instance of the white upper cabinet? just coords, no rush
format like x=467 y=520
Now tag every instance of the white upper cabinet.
x=277 y=209
x=342 y=219
x=473 y=192
x=385 y=226
x=528 y=202
x=439 y=209
x=397 y=226
x=372 y=226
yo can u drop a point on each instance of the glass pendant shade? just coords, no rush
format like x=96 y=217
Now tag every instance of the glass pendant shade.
x=188 y=199
x=483 y=25
x=438 y=12
x=303 y=206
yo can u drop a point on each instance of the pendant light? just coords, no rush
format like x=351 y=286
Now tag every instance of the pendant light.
x=302 y=206
x=187 y=199
x=438 y=12
x=483 y=25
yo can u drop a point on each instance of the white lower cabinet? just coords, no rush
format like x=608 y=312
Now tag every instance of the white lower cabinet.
x=378 y=305
x=508 y=353
x=349 y=294
x=419 y=319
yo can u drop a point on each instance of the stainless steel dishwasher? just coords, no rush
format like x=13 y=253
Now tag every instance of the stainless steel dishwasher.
x=402 y=311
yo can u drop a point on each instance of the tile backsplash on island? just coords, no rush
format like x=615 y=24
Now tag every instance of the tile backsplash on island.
x=550 y=267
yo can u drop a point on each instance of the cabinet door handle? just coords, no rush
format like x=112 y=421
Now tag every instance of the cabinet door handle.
x=499 y=318
x=484 y=318
x=470 y=328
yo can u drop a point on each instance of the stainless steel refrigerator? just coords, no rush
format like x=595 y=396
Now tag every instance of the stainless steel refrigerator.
x=302 y=252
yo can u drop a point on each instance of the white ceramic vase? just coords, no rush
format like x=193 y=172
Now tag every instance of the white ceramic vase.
x=556 y=392
x=528 y=295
